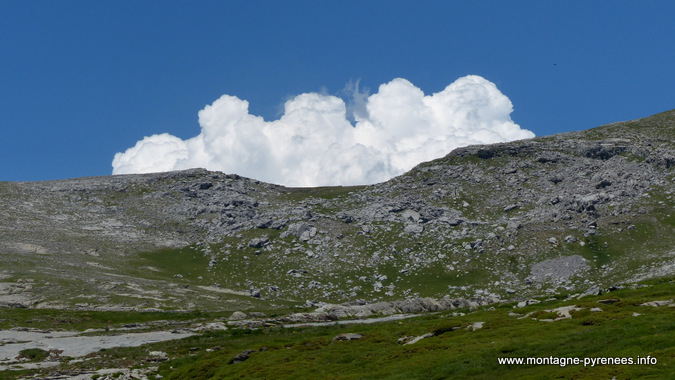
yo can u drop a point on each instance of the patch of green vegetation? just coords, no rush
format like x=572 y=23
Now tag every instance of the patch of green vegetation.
x=33 y=354
x=543 y=314
x=456 y=353
x=187 y=262
x=633 y=157
x=452 y=351
x=445 y=326
x=83 y=320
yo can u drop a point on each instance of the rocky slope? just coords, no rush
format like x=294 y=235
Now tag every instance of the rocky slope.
x=560 y=213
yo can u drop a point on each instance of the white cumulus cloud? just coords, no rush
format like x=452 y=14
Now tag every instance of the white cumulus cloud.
x=316 y=143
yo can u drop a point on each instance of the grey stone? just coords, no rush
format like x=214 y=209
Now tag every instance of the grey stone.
x=241 y=357
x=259 y=242
x=278 y=224
x=300 y=228
x=308 y=234
x=510 y=207
x=410 y=216
x=237 y=316
x=514 y=225
x=592 y=291
x=658 y=303
x=347 y=336
x=406 y=340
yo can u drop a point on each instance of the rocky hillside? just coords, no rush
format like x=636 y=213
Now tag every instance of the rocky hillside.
x=569 y=212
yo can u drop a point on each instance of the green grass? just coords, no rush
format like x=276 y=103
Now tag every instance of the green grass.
x=33 y=354
x=454 y=351
x=310 y=352
x=83 y=320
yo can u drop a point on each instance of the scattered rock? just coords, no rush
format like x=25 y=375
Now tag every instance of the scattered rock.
x=510 y=207
x=307 y=235
x=301 y=230
x=407 y=306
x=237 y=316
x=514 y=225
x=562 y=313
x=278 y=224
x=265 y=223
x=410 y=216
x=592 y=291
x=297 y=272
x=157 y=356
x=347 y=336
x=658 y=303
x=475 y=326
x=241 y=357
x=559 y=269
x=413 y=339
x=259 y=242
x=526 y=303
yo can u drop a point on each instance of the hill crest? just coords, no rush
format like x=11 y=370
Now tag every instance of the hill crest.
x=556 y=213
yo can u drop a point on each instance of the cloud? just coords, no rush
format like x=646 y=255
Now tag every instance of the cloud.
x=356 y=100
x=320 y=140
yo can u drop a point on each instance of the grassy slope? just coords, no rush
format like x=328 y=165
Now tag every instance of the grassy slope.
x=144 y=278
x=310 y=353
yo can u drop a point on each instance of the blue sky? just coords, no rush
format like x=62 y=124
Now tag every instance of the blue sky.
x=83 y=80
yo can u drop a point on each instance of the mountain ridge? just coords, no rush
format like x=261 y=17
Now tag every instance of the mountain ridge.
x=565 y=212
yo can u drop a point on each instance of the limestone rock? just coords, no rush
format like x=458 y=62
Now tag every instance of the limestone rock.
x=237 y=316
x=241 y=357
x=347 y=336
